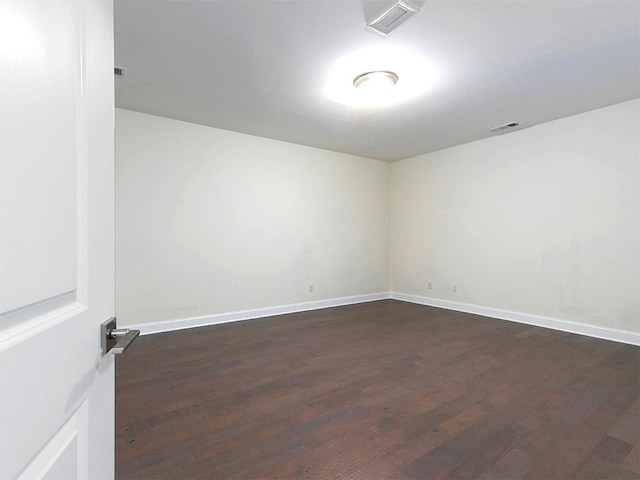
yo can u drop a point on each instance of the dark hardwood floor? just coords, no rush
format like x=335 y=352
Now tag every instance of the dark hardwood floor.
x=373 y=391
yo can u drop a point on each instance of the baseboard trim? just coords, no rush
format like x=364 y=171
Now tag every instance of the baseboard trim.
x=622 y=336
x=192 y=322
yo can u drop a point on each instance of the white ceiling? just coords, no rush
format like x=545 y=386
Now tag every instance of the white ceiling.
x=260 y=67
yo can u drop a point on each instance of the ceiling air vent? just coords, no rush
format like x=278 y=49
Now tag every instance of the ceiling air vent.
x=503 y=128
x=392 y=17
x=119 y=71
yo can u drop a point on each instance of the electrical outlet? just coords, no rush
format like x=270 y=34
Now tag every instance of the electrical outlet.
x=311 y=288
x=429 y=286
x=455 y=289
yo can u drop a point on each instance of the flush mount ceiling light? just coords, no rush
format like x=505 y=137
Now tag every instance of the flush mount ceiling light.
x=373 y=87
x=378 y=81
x=392 y=76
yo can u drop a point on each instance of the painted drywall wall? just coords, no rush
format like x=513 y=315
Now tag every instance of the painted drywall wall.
x=211 y=221
x=544 y=220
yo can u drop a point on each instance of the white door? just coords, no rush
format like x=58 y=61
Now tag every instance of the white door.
x=56 y=238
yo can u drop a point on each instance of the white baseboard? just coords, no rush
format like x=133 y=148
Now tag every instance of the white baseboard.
x=623 y=336
x=182 y=323
x=615 y=335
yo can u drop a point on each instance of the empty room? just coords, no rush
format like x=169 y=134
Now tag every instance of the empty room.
x=315 y=239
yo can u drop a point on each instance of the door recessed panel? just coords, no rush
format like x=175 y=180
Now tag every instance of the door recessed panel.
x=60 y=458
x=41 y=89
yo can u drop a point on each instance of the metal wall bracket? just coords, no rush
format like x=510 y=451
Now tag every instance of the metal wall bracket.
x=116 y=340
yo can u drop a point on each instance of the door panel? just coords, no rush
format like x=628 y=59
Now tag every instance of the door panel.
x=61 y=456
x=39 y=219
x=56 y=238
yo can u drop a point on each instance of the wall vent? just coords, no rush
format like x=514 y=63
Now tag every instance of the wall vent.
x=392 y=17
x=119 y=71
x=503 y=128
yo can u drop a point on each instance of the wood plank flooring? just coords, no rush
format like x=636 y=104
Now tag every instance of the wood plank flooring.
x=374 y=391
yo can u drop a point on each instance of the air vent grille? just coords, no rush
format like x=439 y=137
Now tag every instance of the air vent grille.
x=119 y=71
x=503 y=128
x=392 y=17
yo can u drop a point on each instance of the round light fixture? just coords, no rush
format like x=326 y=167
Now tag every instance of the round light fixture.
x=380 y=81
x=380 y=85
x=374 y=88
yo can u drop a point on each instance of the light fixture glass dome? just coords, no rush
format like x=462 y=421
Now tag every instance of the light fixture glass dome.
x=402 y=73
x=381 y=80
x=374 y=87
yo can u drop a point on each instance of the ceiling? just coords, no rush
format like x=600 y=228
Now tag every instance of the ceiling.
x=262 y=67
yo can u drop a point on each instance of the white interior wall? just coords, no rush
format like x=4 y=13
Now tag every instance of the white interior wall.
x=212 y=221
x=544 y=220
